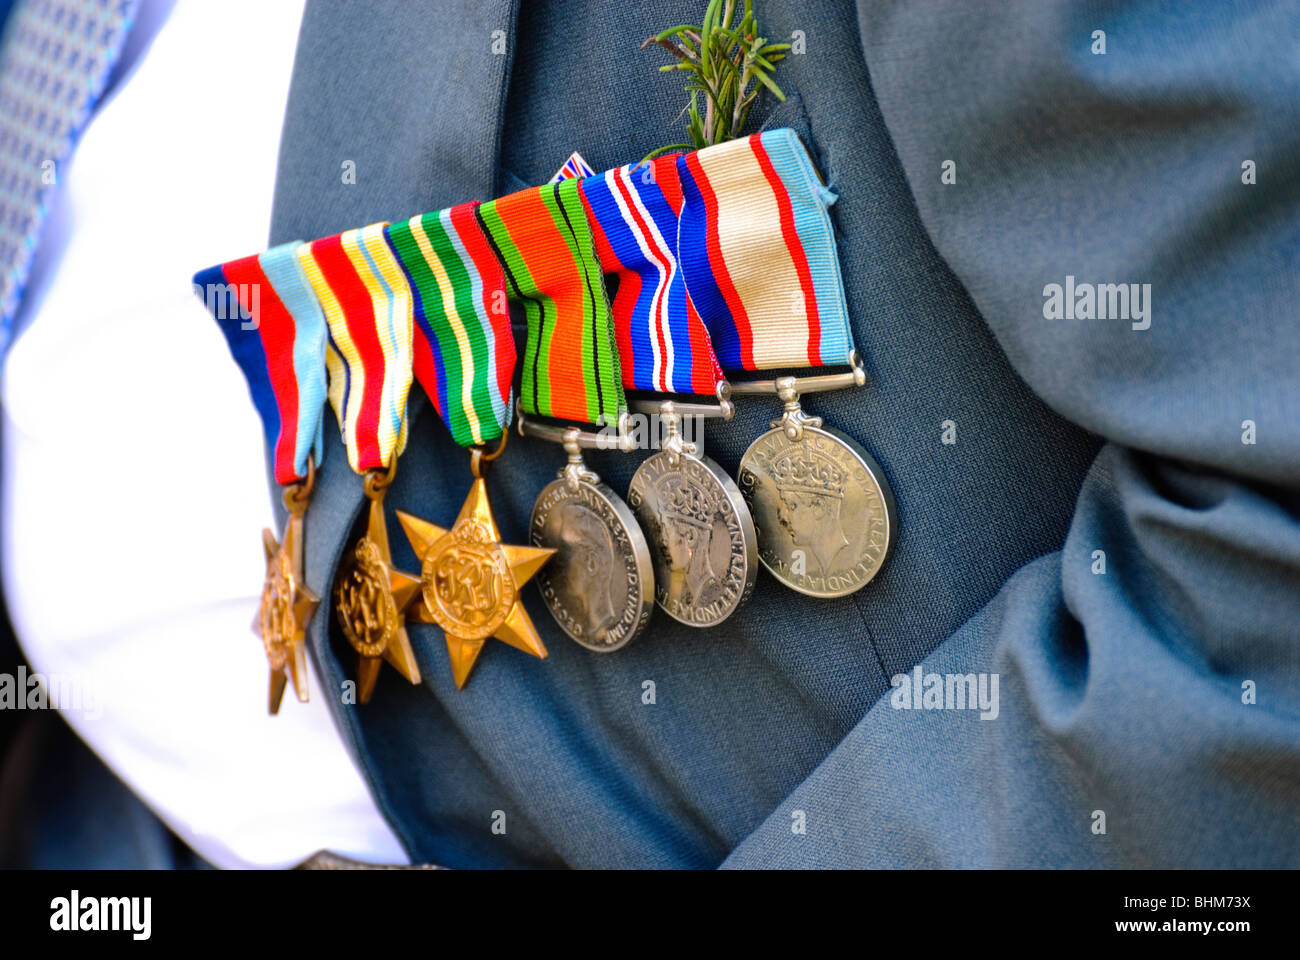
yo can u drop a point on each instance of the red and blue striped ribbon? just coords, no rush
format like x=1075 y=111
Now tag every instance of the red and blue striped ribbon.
x=276 y=333
x=757 y=248
x=662 y=344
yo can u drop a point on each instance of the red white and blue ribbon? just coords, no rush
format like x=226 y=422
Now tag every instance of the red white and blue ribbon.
x=367 y=306
x=276 y=333
x=662 y=344
x=757 y=248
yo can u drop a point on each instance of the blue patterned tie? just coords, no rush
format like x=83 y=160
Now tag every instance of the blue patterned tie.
x=56 y=60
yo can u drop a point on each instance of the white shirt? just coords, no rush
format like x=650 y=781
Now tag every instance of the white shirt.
x=134 y=474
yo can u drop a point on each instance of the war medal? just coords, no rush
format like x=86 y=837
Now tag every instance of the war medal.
x=276 y=333
x=701 y=536
x=599 y=586
x=470 y=581
x=823 y=501
x=758 y=250
x=368 y=310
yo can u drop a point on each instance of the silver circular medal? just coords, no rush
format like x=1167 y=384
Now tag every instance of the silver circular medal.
x=824 y=512
x=599 y=586
x=701 y=536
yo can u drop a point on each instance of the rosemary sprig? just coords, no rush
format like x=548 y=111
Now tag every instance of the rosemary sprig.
x=729 y=67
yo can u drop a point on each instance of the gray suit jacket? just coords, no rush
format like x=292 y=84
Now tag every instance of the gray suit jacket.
x=1113 y=537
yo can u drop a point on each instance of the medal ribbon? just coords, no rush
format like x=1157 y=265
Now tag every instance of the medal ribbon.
x=662 y=343
x=464 y=353
x=367 y=306
x=276 y=333
x=544 y=243
x=757 y=247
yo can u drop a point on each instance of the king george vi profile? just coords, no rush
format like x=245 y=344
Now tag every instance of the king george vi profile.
x=583 y=569
x=810 y=490
x=686 y=534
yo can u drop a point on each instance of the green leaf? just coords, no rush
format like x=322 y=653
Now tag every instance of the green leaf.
x=767 y=82
x=728 y=64
x=706 y=35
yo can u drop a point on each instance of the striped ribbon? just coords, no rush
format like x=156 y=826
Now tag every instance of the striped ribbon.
x=276 y=333
x=368 y=309
x=662 y=343
x=543 y=241
x=757 y=247
x=464 y=353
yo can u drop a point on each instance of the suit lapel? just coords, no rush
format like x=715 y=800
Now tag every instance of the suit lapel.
x=371 y=132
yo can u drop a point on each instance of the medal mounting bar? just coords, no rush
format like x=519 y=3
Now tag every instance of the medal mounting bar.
x=671 y=412
x=570 y=436
x=790 y=389
x=724 y=409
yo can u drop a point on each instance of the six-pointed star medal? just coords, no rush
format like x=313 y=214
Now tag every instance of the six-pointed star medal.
x=287 y=608
x=470 y=582
x=371 y=598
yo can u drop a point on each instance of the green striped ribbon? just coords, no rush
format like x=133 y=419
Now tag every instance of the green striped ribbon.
x=464 y=353
x=543 y=240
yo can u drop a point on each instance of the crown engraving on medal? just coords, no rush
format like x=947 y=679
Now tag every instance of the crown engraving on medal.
x=797 y=469
x=366 y=610
x=682 y=499
x=686 y=519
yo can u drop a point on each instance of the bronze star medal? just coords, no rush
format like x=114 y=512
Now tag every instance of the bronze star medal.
x=470 y=581
x=287 y=604
x=370 y=599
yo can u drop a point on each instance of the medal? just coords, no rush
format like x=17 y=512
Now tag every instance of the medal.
x=822 y=502
x=599 y=586
x=470 y=581
x=704 y=538
x=701 y=536
x=758 y=250
x=276 y=333
x=368 y=310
